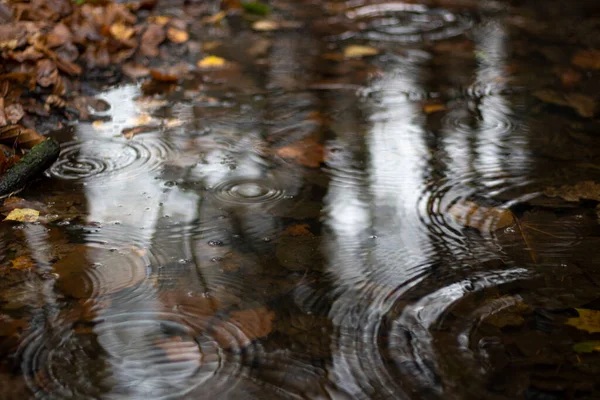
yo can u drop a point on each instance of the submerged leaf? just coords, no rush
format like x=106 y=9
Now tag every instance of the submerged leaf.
x=587 y=347
x=357 y=51
x=587 y=59
x=472 y=215
x=22 y=263
x=211 y=62
x=307 y=152
x=23 y=215
x=588 y=320
x=255 y=7
x=586 y=190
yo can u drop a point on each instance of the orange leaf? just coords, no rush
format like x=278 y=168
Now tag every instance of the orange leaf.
x=22 y=263
x=177 y=35
x=587 y=59
x=298 y=230
x=307 y=152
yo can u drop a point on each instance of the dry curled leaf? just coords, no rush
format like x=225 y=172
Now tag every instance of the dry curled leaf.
x=23 y=215
x=254 y=322
x=152 y=37
x=17 y=136
x=135 y=71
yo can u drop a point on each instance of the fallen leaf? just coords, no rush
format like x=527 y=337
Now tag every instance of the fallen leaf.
x=22 y=263
x=46 y=73
x=178 y=349
x=98 y=124
x=141 y=119
x=213 y=19
x=307 y=152
x=14 y=113
x=131 y=132
x=255 y=7
x=159 y=19
x=587 y=347
x=23 y=215
x=298 y=230
x=121 y=31
x=585 y=106
x=177 y=35
x=135 y=71
x=586 y=190
x=265 y=25
x=587 y=59
x=254 y=322
x=357 y=51
x=211 y=62
x=17 y=136
x=430 y=108
x=152 y=37
x=485 y=219
x=588 y=320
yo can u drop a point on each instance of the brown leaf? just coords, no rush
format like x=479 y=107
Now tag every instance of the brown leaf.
x=586 y=190
x=152 y=37
x=244 y=326
x=307 y=152
x=29 y=54
x=59 y=36
x=136 y=130
x=298 y=230
x=485 y=219
x=177 y=35
x=587 y=59
x=46 y=73
x=135 y=71
x=121 y=31
x=14 y=113
x=3 y=120
x=585 y=106
x=12 y=36
x=17 y=136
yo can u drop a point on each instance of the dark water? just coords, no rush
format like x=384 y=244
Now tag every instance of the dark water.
x=300 y=225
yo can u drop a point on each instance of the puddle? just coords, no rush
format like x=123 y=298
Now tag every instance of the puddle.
x=412 y=223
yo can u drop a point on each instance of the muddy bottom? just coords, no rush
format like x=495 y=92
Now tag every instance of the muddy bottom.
x=353 y=200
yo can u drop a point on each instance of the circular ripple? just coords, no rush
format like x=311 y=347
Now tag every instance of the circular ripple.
x=434 y=348
x=248 y=191
x=407 y=23
x=95 y=161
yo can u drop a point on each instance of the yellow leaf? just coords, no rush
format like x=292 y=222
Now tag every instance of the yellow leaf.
x=159 y=19
x=588 y=320
x=142 y=119
x=121 y=31
x=213 y=19
x=22 y=262
x=265 y=25
x=177 y=35
x=98 y=124
x=23 y=215
x=356 y=51
x=211 y=62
